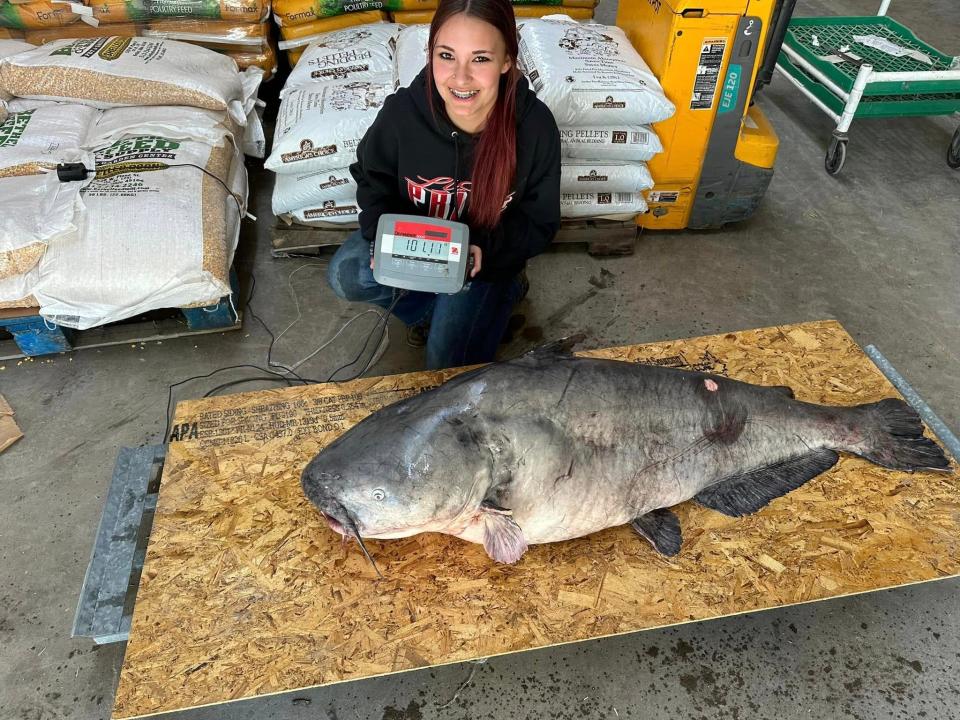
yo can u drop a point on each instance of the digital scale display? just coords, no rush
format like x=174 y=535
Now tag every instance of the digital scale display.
x=421 y=253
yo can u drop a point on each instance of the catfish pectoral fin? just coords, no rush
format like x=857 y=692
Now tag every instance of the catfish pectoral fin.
x=662 y=528
x=502 y=538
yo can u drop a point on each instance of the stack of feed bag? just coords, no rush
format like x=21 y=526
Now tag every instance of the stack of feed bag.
x=304 y=21
x=604 y=99
x=238 y=28
x=330 y=100
x=154 y=224
x=576 y=9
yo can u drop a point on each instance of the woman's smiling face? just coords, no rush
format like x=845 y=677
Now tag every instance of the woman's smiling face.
x=469 y=56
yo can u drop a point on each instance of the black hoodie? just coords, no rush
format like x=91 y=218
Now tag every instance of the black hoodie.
x=409 y=161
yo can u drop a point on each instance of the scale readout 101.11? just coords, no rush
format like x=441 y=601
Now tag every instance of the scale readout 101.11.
x=421 y=253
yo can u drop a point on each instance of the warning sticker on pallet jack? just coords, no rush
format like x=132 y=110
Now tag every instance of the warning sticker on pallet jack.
x=664 y=196
x=708 y=73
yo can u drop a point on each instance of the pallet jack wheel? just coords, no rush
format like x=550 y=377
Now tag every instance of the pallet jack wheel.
x=836 y=156
x=953 y=152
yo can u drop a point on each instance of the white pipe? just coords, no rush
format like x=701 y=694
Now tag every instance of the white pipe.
x=916 y=76
x=816 y=101
x=884 y=6
x=827 y=82
x=853 y=102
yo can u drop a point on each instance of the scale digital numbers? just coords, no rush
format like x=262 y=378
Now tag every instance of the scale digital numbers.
x=428 y=248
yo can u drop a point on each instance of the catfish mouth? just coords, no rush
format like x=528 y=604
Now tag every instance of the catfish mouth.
x=335 y=524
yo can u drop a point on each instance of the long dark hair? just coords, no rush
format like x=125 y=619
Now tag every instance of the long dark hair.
x=495 y=157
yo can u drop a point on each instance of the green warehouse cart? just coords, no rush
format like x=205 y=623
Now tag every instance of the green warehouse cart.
x=862 y=67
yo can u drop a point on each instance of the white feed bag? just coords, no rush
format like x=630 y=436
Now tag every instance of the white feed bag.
x=411 y=53
x=610 y=206
x=319 y=127
x=294 y=192
x=363 y=52
x=590 y=74
x=586 y=176
x=637 y=143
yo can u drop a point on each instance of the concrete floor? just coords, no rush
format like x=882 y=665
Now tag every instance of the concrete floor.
x=877 y=248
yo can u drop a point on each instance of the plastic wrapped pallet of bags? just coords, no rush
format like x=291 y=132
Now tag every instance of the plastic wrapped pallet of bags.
x=586 y=176
x=364 y=52
x=124 y=262
x=319 y=127
x=602 y=205
x=116 y=71
x=638 y=143
x=589 y=74
x=295 y=192
x=299 y=12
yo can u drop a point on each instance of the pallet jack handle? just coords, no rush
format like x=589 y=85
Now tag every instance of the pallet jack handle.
x=780 y=21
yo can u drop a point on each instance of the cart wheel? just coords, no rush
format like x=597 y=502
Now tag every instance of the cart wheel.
x=953 y=152
x=836 y=156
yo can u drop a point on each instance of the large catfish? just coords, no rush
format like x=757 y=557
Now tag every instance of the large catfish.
x=551 y=446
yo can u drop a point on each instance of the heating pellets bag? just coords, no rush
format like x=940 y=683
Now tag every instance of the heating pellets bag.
x=319 y=127
x=364 y=52
x=116 y=71
x=153 y=235
x=411 y=53
x=590 y=74
x=328 y=214
x=587 y=176
x=294 y=192
x=43 y=137
x=608 y=206
x=626 y=142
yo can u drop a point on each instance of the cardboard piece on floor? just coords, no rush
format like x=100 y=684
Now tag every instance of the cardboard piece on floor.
x=247 y=592
x=9 y=431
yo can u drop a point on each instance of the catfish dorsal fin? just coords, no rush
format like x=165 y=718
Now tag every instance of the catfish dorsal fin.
x=563 y=346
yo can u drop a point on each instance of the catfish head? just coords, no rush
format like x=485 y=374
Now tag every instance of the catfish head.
x=397 y=474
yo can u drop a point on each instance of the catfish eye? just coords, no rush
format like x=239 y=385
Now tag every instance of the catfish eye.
x=378 y=494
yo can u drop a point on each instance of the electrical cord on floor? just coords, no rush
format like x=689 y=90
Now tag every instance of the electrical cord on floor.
x=273 y=376
x=382 y=324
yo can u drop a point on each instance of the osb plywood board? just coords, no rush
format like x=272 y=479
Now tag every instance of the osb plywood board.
x=246 y=591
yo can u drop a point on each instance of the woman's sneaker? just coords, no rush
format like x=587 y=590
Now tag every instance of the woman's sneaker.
x=417 y=335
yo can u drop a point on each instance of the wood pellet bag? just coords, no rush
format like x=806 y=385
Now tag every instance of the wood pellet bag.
x=608 y=206
x=295 y=192
x=115 y=71
x=637 y=143
x=365 y=52
x=589 y=74
x=156 y=233
x=587 y=176
x=319 y=127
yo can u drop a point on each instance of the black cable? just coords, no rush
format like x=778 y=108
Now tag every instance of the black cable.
x=382 y=321
x=273 y=339
x=210 y=374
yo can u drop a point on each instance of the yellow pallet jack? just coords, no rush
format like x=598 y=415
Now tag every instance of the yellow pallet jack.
x=711 y=57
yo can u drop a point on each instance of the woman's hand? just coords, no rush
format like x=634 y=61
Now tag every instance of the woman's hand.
x=477 y=256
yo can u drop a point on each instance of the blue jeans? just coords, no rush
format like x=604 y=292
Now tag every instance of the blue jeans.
x=465 y=328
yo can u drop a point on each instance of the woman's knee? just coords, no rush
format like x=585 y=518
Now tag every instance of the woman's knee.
x=345 y=273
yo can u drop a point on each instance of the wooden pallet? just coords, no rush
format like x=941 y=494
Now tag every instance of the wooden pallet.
x=246 y=592
x=33 y=335
x=602 y=237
